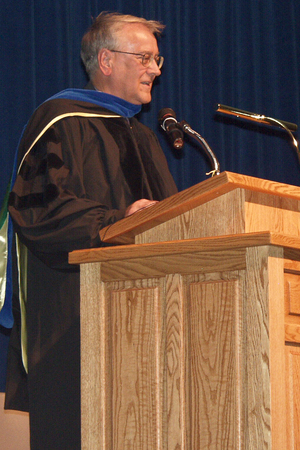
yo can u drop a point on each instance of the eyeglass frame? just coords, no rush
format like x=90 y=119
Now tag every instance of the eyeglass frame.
x=158 y=58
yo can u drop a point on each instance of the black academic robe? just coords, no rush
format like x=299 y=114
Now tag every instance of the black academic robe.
x=80 y=175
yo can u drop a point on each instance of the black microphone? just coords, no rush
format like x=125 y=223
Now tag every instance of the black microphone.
x=168 y=122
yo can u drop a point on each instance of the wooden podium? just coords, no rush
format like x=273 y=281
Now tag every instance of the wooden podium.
x=191 y=327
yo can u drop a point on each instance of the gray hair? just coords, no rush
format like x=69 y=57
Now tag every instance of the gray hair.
x=103 y=33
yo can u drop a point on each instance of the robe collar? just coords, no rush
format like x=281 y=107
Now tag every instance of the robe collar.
x=108 y=101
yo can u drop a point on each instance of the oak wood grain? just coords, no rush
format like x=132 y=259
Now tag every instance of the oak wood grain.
x=293 y=397
x=207 y=244
x=125 y=230
x=190 y=337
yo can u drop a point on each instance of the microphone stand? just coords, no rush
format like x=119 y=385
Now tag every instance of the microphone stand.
x=214 y=162
x=239 y=113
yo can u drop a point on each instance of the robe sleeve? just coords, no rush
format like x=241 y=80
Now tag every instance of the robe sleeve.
x=52 y=211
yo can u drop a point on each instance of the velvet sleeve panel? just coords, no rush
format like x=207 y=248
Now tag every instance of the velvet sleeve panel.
x=57 y=203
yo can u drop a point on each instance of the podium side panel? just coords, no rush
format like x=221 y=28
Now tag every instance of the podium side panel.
x=293 y=396
x=273 y=213
x=264 y=325
x=95 y=391
x=292 y=336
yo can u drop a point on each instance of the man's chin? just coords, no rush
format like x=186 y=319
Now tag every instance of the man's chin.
x=146 y=99
x=142 y=98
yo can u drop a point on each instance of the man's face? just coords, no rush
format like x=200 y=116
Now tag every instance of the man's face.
x=129 y=79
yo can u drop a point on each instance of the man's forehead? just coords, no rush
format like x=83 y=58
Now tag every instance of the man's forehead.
x=132 y=31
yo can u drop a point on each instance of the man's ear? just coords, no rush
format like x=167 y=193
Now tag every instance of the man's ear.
x=105 y=61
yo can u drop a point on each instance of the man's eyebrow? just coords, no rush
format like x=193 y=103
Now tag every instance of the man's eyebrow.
x=149 y=53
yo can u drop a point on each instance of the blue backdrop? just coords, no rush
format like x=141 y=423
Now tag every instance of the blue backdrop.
x=242 y=53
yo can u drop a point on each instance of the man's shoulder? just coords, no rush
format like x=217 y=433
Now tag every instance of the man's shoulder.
x=55 y=107
x=53 y=110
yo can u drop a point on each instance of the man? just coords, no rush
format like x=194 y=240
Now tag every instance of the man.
x=84 y=162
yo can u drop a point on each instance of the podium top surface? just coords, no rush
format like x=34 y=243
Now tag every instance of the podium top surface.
x=124 y=231
x=291 y=244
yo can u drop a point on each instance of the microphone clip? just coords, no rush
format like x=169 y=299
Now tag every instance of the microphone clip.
x=168 y=122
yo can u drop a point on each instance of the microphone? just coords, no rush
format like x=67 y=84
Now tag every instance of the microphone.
x=168 y=122
x=175 y=130
x=287 y=126
x=255 y=117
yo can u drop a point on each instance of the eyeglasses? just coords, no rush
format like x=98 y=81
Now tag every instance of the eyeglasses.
x=146 y=58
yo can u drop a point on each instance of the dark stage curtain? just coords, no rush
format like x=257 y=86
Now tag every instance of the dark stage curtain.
x=240 y=53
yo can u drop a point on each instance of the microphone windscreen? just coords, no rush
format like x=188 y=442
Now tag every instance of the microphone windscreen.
x=164 y=113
